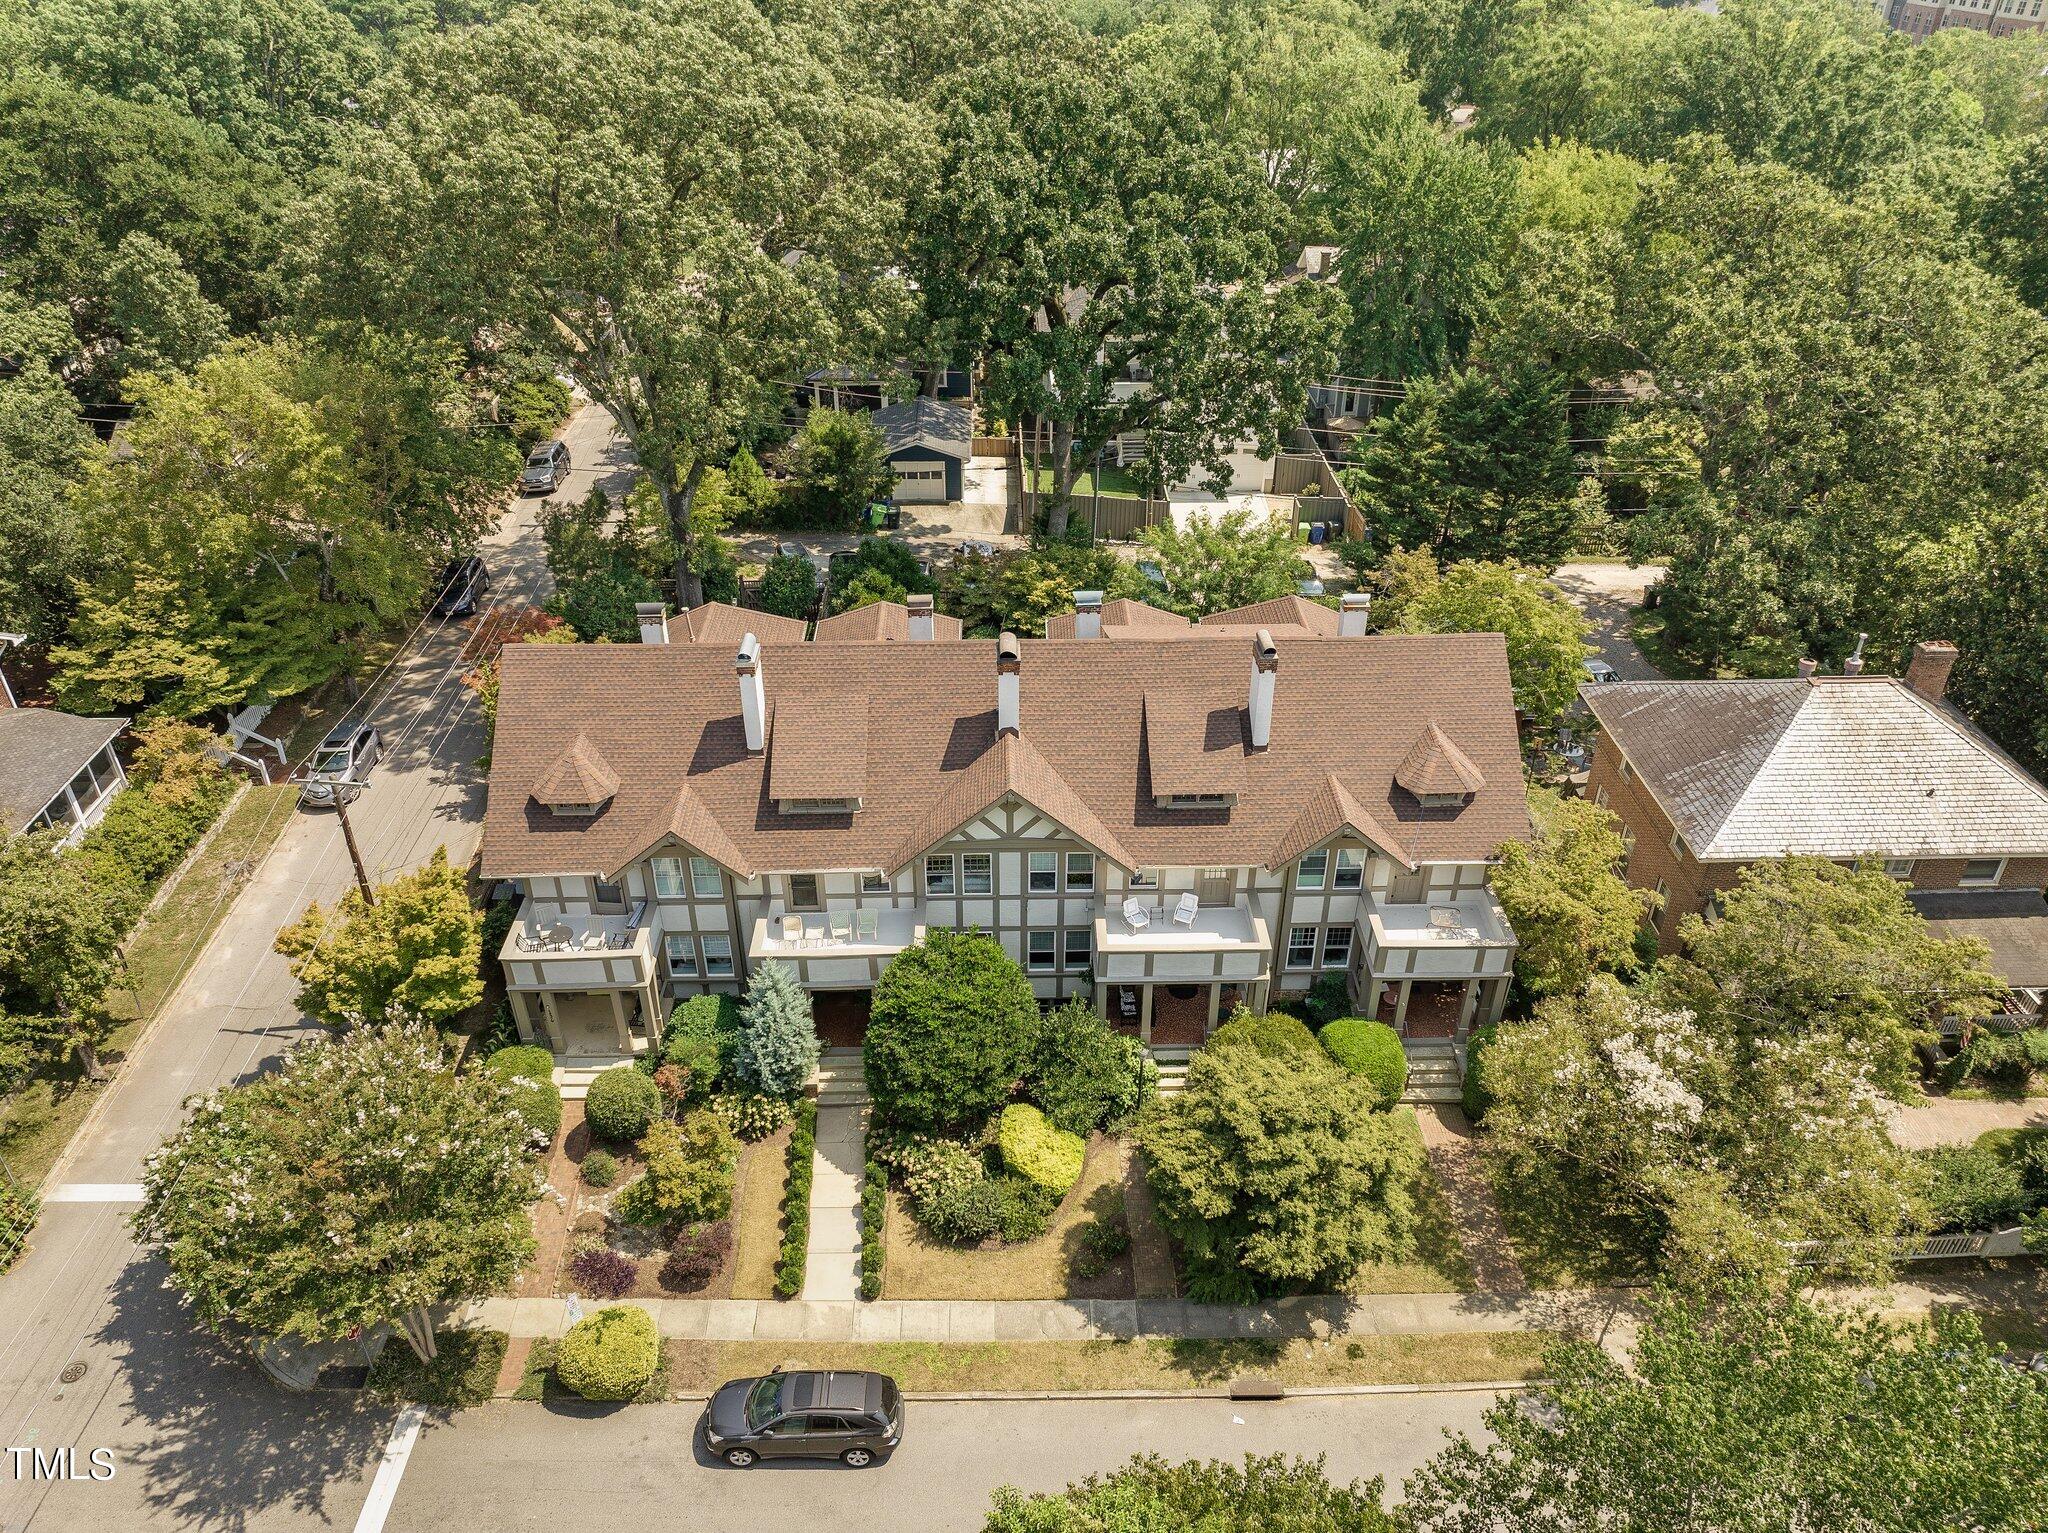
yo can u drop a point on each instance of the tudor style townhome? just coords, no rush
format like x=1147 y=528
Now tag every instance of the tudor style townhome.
x=1711 y=777
x=1170 y=823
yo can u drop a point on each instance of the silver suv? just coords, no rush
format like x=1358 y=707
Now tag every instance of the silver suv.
x=546 y=467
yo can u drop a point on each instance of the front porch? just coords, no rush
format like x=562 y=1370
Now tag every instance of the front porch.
x=1171 y=981
x=588 y=1025
x=1171 y=1013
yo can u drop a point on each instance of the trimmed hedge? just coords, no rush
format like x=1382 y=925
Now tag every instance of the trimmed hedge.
x=609 y=1356
x=1272 y=1034
x=1477 y=1099
x=600 y=1168
x=524 y=1062
x=796 y=1203
x=1033 y=1149
x=540 y=1104
x=1369 y=1049
x=621 y=1105
x=874 y=1215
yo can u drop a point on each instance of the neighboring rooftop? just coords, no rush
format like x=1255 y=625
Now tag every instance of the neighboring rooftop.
x=41 y=750
x=1824 y=766
x=1280 y=614
x=878 y=622
x=1119 y=613
x=2013 y=923
x=667 y=721
x=940 y=425
x=723 y=624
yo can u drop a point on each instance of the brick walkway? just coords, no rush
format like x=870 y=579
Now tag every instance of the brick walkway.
x=1453 y=1152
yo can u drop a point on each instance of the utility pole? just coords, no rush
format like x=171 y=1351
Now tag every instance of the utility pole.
x=355 y=856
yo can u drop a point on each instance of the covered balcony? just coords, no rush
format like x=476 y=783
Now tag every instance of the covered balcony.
x=836 y=950
x=1183 y=974
x=1435 y=969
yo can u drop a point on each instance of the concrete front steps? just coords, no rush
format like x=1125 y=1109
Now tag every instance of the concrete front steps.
x=1172 y=1059
x=575 y=1072
x=1436 y=1071
x=840 y=1080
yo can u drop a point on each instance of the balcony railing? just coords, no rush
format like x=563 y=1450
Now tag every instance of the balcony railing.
x=1471 y=920
x=1215 y=928
x=848 y=934
x=562 y=936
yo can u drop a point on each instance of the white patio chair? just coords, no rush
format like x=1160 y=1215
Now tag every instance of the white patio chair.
x=1127 y=1002
x=1136 y=916
x=840 y=925
x=867 y=926
x=1184 y=910
x=793 y=931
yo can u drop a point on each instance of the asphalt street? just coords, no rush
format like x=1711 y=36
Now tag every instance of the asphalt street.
x=510 y=1466
x=197 y=1439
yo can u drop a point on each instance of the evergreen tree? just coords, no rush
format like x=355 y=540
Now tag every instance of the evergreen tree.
x=778 y=1045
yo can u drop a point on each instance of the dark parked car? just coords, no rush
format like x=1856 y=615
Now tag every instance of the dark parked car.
x=856 y=1418
x=460 y=587
x=546 y=467
x=340 y=765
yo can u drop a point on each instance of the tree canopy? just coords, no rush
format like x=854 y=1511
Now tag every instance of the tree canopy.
x=412 y=956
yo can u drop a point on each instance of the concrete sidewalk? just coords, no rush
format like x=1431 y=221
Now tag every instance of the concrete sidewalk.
x=965 y=1320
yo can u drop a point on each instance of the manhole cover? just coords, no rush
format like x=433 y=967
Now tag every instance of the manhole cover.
x=72 y=1374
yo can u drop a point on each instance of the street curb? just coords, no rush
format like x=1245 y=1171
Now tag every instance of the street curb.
x=1304 y=1392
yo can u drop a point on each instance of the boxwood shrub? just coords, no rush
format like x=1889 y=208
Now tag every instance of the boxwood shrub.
x=523 y=1061
x=600 y=1169
x=610 y=1355
x=1033 y=1149
x=874 y=1214
x=1369 y=1049
x=796 y=1203
x=621 y=1105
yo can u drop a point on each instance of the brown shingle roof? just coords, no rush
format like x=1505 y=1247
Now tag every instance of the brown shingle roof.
x=41 y=750
x=718 y=622
x=1435 y=765
x=1119 y=612
x=1330 y=810
x=1280 y=612
x=666 y=717
x=819 y=748
x=1012 y=765
x=879 y=621
x=1191 y=747
x=578 y=776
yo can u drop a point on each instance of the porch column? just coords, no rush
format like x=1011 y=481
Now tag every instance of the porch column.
x=619 y=1017
x=1145 y=1014
x=1102 y=999
x=552 y=1023
x=1401 y=1005
x=1497 y=1002
x=1370 y=1007
x=1468 y=1005
x=520 y=1019
x=1215 y=1005
x=651 y=999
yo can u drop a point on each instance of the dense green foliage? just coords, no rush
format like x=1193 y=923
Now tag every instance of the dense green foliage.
x=621 y=1104
x=1371 y=1050
x=1032 y=1148
x=281 y=1208
x=951 y=1029
x=1150 y=1494
x=778 y=1042
x=796 y=1202
x=1084 y=1074
x=689 y=1172
x=464 y=1371
x=530 y=1071
x=789 y=586
x=415 y=955
x=836 y=469
x=609 y=1355
x=1572 y=912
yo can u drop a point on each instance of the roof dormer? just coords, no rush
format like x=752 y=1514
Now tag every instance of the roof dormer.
x=577 y=783
x=1439 y=774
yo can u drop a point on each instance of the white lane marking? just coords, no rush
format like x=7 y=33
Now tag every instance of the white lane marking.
x=95 y=1192
x=391 y=1469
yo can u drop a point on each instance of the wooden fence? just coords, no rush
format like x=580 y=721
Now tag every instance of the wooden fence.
x=1306 y=464
x=991 y=447
x=1118 y=517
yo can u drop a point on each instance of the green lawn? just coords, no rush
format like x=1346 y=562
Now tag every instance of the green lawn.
x=1115 y=481
x=39 y=1120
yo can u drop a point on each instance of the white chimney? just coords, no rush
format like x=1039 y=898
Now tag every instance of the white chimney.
x=1009 y=664
x=921 y=627
x=1356 y=614
x=653 y=622
x=753 y=700
x=1087 y=614
x=1853 y=666
x=1265 y=674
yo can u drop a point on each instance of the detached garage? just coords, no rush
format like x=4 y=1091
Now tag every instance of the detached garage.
x=927 y=443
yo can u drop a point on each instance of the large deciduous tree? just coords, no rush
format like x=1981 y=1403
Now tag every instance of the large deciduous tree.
x=1546 y=634
x=361 y=1183
x=1212 y=564
x=1745 y=1413
x=684 y=241
x=62 y=918
x=1149 y=1495
x=1573 y=913
x=412 y=956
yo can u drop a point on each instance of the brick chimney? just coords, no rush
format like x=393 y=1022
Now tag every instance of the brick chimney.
x=753 y=698
x=1355 y=615
x=1087 y=614
x=1009 y=682
x=1265 y=677
x=921 y=625
x=1928 y=671
x=653 y=618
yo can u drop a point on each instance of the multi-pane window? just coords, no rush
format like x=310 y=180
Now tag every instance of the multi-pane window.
x=1311 y=870
x=938 y=875
x=668 y=877
x=1080 y=947
x=682 y=955
x=1080 y=872
x=1350 y=868
x=1301 y=947
x=1336 y=947
x=717 y=955
x=1982 y=870
x=1039 y=948
x=803 y=891
x=1677 y=845
x=977 y=873
x=706 y=882
x=1899 y=867
x=1042 y=873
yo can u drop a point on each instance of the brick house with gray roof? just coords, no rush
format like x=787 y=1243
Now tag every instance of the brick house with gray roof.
x=1711 y=777
x=1168 y=828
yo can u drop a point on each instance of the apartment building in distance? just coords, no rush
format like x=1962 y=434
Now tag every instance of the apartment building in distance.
x=1168 y=819
x=2001 y=18
x=1711 y=777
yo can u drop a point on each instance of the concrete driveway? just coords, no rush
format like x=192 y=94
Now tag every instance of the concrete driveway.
x=1609 y=594
x=1930 y=1121
x=201 y=1440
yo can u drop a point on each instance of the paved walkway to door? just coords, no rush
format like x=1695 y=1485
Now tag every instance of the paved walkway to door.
x=832 y=1260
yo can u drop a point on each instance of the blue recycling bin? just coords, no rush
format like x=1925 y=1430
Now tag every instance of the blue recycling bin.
x=1318 y=531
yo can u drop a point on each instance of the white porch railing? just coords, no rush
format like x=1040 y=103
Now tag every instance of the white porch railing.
x=1984 y=1243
